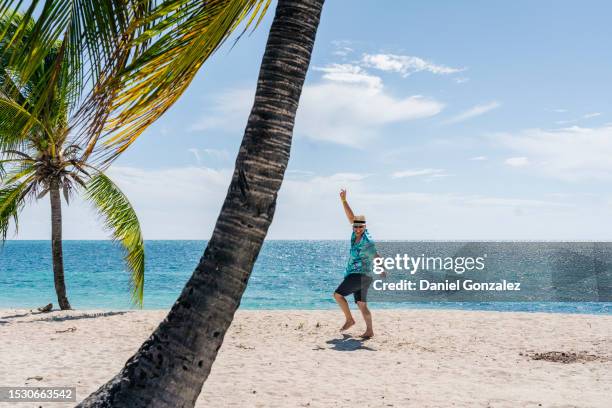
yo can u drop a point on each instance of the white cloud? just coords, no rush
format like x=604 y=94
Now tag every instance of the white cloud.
x=346 y=112
x=571 y=154
x=299 y=173
x=479 y=158
x=216 y=154
x=474 y=111
x=583 y=117
x=183 y=203
x=405 y=64
x=350 y=106
x=343 y=52
x=517 y=161
x=343 y=177
x=348 y=73
x=419 y=172
x=511 y=202
x=415 y=215
x=461 y=80
x=354 y=115
x=219 y=154
x=174 y=203
x=342 y=48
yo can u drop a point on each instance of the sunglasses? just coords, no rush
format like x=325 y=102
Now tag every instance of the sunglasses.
x=358 y=226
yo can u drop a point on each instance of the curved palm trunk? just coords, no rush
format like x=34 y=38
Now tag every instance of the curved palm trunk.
x=170 y=368
x=56 y=246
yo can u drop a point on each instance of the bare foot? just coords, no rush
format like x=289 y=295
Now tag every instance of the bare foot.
x=347 y=324
x=367 y=335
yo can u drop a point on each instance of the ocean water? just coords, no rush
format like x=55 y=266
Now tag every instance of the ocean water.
x=287 y=275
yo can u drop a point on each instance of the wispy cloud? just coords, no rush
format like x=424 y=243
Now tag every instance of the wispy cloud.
x=591 y=115
x=429 y=173
x=405 y=64
x=189 y=203
x=517 y=161
x=342 y=48
x=479 y=158
x=349 y=106
x=300 y=173
x=348 y=73
x=217 y=154
x=342 y=109
x=571 y=154
x=196 y=154
x=363 y=110
x=583 y=117
x=474 y=112
x=512 y=202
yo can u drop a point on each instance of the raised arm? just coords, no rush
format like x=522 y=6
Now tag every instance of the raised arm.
x=347 y=207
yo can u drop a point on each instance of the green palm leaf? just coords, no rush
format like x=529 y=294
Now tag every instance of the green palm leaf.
x=120 y=218
x=92 y=28
x=128 y=61
x=168 y=47
x=12 y=199
x=16 y=124
x=23 y=169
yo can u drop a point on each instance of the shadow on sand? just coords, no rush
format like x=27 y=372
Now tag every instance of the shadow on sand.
x=75 y=317
x=16 y=316
x=348 y=343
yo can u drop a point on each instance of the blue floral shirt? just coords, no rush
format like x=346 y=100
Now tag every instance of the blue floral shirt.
x=361 y=255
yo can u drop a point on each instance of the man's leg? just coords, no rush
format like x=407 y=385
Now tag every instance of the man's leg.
x=345 y=309
x=367 y=316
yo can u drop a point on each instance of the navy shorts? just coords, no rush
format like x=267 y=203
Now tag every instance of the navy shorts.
x=357 y=284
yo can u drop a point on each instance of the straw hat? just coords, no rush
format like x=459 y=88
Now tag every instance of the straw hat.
x=359 y=220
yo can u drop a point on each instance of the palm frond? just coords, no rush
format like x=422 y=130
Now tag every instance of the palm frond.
x=137 y=57
x=168 y=46
x=21 y=171
x=12 y=163
x=17 y=125
x=120 y=218
x=92 y=29
x=12 y=199
x=54 y=51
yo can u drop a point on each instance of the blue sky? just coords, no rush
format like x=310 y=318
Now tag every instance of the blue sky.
x=444 y=119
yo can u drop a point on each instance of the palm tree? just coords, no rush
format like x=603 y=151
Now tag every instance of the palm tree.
x=101 y=71
x=39 y=158
x=142 y=54
x=170 y=368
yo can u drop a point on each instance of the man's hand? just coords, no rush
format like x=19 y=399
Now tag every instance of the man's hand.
x=347 y=208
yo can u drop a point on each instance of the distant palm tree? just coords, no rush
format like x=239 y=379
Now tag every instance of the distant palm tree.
x=37 y=157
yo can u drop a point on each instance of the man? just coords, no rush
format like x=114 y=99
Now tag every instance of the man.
x=359 y=267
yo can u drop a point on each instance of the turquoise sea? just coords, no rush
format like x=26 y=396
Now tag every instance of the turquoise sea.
x=287 y=275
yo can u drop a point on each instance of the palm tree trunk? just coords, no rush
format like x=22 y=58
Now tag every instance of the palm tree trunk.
x=56 y=246
x=170 y=368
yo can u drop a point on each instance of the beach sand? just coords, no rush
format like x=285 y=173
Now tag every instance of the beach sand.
x=419 y=358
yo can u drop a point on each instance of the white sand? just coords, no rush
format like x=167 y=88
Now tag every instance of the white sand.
x=419 y=358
